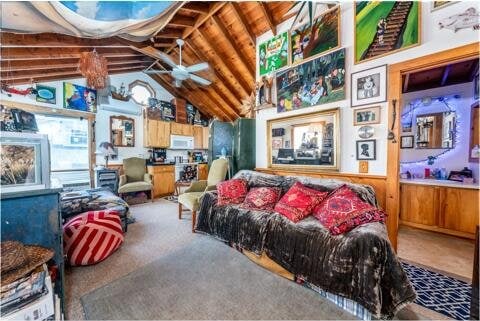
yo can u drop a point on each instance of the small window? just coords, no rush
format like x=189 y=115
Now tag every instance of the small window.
x=141 y=91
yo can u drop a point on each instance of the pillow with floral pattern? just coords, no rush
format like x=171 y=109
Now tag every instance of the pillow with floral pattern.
x=262 y=198
x=232 y=191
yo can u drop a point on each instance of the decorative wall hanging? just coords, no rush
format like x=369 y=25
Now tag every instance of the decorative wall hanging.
x=263 y=97
x=121 y=93
x=9 y=90
x=369 y=86
x=365 y=132
x=79 y=98
x=366 y=149
x=94 y=68
x=365 y=116
x=312 y=83
x=385 y=27
x=310 y=40
x=468 y=19
x=440 y=4
x=273 y=54
x=46 y=94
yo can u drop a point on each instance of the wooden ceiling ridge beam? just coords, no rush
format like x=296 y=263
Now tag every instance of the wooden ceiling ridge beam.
x=231 y=42
x=268 y=16
x=222 y=65
x=244 y=22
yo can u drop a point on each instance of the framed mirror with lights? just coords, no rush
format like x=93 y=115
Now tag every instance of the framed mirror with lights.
x=308 y=141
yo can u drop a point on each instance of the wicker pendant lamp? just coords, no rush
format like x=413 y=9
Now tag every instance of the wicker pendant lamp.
x=94 y=68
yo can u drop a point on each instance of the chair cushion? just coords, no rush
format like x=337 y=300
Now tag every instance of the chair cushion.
x=134 y=168
x=190 y=200
x=343 y=210
x=91 y=237
x=299 y=202
x=135 y=187
x=262 y=198
x=232 y=191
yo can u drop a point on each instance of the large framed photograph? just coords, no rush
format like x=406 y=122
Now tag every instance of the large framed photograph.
x=366 y=116
x=366 y=149
x=79 y=98
x=273 y=54
x=385 y=27
x=312 y=83
x=407 y=141
x=310 y=40
x=369 y=86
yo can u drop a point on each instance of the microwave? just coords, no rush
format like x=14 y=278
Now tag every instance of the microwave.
x=181 y=142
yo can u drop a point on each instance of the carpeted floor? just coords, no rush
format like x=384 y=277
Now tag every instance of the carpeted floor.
x=159 y=245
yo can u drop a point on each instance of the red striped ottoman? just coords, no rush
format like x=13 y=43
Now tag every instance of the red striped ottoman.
x=92 y=236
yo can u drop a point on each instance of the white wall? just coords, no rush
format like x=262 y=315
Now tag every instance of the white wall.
x=432 y=40
x=102 y=125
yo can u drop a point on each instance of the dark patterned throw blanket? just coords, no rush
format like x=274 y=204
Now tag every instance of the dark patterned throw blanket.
x=359 y=265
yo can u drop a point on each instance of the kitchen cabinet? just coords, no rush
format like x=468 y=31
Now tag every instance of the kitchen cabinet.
x=156 y=133
x=181 y=129
x=449 y=210
x=205 y=134
x=198 y=137
x=163 y=179
x=202 y=171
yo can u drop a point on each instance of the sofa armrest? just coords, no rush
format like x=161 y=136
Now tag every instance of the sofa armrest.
x=197 y=186
x=123 y=180
x=147 y=178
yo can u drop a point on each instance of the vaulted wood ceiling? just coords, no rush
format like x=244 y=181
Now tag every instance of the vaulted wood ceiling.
x=220 y=33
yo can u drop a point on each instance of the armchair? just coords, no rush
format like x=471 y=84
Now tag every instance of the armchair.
x=135 y=178
x=191 y=197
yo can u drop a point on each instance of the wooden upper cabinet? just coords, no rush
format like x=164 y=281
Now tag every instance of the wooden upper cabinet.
x=156 y=133
x=181 y=129
x=198 y=137
x=180 y=110
x=205 y=135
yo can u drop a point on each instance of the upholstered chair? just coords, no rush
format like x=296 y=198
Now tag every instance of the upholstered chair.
x=190 y=199
x=135 y=178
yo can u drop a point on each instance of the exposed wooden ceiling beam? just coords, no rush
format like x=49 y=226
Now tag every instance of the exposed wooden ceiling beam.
x=162 y=45
x=446 y=72
x=197 y=7
x=169 y=33
x=182 y=21
x=233 y=46
x=268 y=17
x=53 y=53
x=244 y=22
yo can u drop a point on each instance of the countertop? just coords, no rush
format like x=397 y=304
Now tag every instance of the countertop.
x=437 y=182
x=180 y=164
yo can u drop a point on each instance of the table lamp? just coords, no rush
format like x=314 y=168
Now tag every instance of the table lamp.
x=105 y=149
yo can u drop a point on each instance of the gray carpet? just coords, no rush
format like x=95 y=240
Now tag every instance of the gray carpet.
x=206 y=280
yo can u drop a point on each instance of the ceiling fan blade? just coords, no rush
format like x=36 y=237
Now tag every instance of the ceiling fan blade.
x=166 y=58
x=178 y=83
x=198 y=67
x=200 y=80
x=156 y=71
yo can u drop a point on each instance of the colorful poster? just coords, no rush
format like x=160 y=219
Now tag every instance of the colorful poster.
x=273 y=54
x=79 y=98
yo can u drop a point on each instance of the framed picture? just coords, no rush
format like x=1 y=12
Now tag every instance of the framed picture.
x=406 y=141
x=476 y=88
x=310 y=40
x=369 y=86
x=46 y=94
x=277 y=142
x=440 y=4
x=457 y=176
x=366 y=149
x=312 y=83
x=79 y=98
x=273 y=54
x=379 y=31
x=365 y=116
x=24 y=121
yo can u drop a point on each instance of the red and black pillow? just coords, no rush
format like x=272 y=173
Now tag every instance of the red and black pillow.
x=262 y=198
x=232 y=191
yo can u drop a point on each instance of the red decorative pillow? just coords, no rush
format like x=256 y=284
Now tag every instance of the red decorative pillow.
x=344 y=210
x=299 y=202
x=232 y=191
x=262 y=198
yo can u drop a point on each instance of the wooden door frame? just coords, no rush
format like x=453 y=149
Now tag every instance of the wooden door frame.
x=395 y=73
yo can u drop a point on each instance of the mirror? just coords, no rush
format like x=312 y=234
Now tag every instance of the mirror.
x=435 y=131
x=122 y=131
x=309 y=141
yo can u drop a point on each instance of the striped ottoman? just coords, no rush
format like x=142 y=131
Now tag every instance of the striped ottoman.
x=92 y=236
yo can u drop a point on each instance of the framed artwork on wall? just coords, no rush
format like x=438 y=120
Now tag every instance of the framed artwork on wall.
x=366 y=116
x=315 y=82
x=369 y=86
x=406 y=141
x=307 y=40
x=46 y=94
x=79 y=98
x=385 y=27
x=440 y=4
x=277 y=142
x=366 y=149
x=273 y=54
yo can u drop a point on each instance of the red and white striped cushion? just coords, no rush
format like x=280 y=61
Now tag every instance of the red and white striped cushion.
x=92 y=236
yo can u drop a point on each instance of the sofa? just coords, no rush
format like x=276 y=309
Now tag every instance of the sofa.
x=360 y=265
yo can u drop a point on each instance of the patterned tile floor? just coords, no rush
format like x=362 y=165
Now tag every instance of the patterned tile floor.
x=443 y=294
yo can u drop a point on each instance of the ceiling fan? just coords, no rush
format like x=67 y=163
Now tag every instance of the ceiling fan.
x=180 y=72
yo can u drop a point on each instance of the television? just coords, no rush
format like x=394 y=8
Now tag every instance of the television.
x=25 y=159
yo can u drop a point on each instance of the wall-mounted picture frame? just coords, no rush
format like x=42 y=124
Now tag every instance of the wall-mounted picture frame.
x=369 y=86
x=366 y=149
x=46 y=94
x=373 y=20
x=366 y=116
x=277 y=142
x=436 y=5
x=407 y=141
x=307 y=41
x=79 y=98
x=273 y=54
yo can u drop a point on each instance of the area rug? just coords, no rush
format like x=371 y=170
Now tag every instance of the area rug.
x=440 y=293
x=206 y=280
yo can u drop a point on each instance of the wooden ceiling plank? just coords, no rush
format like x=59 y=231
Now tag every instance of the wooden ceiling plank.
x=182 y=21
x=200 y=92
x=268 y=17
x=231 y=43
x=197 y=7
x=169 y=33
x=244 y=22
x=53 y=53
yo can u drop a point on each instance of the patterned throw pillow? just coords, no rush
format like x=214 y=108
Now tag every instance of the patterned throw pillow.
x=262 y=198
x=299 y=202
x=232 y=191
x=343 y=210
